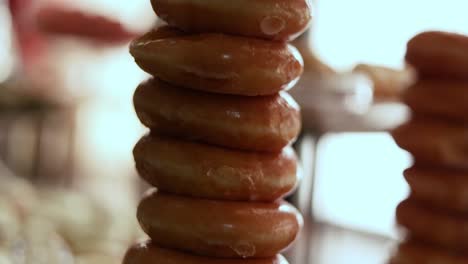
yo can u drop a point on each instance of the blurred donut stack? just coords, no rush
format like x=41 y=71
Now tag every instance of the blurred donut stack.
x=436 y=213
x=218 y=153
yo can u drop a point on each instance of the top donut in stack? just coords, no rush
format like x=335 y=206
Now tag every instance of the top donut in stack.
x=436 y=213
x=221 y=126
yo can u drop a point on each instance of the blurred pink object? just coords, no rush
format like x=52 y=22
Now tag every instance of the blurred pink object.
x=56 y=18
x=30 y=42
x=64 y=21
x=52 y=35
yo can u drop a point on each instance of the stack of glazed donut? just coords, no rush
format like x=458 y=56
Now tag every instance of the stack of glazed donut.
x=436 y=213
x=221 y=123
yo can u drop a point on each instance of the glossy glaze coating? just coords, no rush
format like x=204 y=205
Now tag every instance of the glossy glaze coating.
x=439 y=54
x=415 y=252
x=204 y=171
x=434 y=142
x=218 y=229
x=250 y=123
x=440 y=188
x=148 y=253
x=270 y=19
x=218 y=63
x=438 y=227
x=442 y=98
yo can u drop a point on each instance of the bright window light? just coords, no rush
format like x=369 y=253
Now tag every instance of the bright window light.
x=359 y=181
x=348 y=32
x=6 y=51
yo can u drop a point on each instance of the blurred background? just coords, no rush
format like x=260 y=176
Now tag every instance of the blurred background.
x=68 y=188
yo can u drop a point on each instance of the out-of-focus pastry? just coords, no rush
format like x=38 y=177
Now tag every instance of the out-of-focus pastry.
x=388 y=83
x=434 y=142
x=40 y=225
x=439 y=55
x=85 y=226
x=12 y=187
x=40 y=243
x=433 y=225
x=413 y=251
x=444 y=99
x=451 y=191
x=435 y=214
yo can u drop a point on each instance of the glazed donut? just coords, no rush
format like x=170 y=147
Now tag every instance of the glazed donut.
x=218 y=229
x=270 y=19
x=434 y=142
x=415 y=252
x=148 y=253
x=443 y=98
x=441 y=188
x=204 y=171
x=266 y=123
x=218 y=63
x=439 y=55
x=441 y=228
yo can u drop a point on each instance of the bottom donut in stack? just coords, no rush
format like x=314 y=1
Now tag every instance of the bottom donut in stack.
x=149 y=253
x=435 y=215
